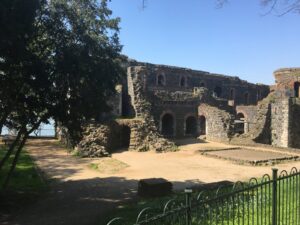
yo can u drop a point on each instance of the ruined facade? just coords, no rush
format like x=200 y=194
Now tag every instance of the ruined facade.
x=163 y=103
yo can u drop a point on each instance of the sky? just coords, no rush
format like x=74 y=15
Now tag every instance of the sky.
x=236 y=40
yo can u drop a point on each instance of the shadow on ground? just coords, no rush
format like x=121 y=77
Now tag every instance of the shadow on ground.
x=83 y=202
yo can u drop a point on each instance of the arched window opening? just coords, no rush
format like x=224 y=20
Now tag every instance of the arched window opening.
x=182 y=82
x=167 y=125
x=218 y=91
x=232 y=94
x=202 y=122
x=246 y=98
x=297 y=89
x=240 y=123
x=125 y=136
x=191 y=126
x=161 y=80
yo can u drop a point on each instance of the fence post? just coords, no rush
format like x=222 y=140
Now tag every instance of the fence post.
x=188 y=203
x=274 y=196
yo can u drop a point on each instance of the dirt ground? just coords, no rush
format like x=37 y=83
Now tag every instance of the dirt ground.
x=81 y=194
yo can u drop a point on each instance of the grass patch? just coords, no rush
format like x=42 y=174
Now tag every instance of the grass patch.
x=108 y=165
x=25 y=186
x=131 y=210
x=250 y=203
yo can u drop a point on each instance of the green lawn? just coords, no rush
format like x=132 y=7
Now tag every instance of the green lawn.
x=252 y=205
x=25 y=185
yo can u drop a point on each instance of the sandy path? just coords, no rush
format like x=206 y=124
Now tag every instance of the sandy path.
x=80 y=196
x=83 y=194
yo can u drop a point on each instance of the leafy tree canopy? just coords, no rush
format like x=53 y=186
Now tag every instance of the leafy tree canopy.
x=58 y=59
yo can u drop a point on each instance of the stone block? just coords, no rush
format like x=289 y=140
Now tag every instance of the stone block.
x=154 y=187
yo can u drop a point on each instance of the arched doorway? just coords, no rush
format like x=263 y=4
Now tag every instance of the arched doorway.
x=240 y=123
x=191 y=126
x=218 y=91
x=125 y=136
x=167 y=125
x=297 y=89
x=202 y=123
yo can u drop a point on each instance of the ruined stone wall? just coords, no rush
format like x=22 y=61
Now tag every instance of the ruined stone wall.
x=295 y=123
x=219 y=123
x=280 y=122
x=180 y=112
x=250 y=113
x=285 y=80
x=229 y=87
x=143 y=110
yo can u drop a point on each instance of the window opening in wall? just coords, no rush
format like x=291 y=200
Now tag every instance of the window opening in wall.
x=161 y=80
x=202 y=84
x=297 y=89
x=217 y=92
x=167 y=123
x=191 y=126
x=182 y=82
x=202 y=122
x=246 y=98
x=231 y=94
x=240 y=123
x=258 y=95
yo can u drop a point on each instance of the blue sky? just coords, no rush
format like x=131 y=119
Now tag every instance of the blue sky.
x=235 y=40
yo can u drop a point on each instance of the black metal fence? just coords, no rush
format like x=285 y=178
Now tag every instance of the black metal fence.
x=267 y=201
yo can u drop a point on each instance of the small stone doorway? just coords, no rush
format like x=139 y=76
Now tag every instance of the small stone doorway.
x=125 y=136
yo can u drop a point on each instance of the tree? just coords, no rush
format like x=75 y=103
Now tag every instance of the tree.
x=63 y=64
x=282 y=7
x=279 y=7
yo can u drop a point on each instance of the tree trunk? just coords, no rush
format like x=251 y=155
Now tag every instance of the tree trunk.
x=17 y=154
x=14 y=163
x=11 y=149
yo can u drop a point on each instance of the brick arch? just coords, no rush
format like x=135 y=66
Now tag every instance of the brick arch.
x=244 y=113
x=161 y=124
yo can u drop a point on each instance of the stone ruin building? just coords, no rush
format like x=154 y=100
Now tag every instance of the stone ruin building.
x=157 y=104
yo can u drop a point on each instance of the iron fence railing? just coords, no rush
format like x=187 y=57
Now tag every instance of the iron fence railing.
x=271 y=200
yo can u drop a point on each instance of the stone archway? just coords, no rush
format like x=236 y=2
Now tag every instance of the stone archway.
x=191 y=126
x=202 y=123
x=168 y=125
x=297 y=89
